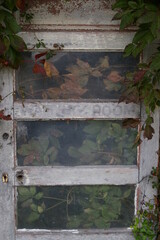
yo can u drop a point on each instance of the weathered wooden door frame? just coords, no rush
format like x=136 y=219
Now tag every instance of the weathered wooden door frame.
x=36 y=110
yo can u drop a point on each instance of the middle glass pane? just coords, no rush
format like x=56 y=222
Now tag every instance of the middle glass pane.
x=73 y=143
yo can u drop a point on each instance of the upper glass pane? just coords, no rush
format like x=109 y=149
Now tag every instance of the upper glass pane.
x=75 y=207
x=73 y=75
x=73 y=143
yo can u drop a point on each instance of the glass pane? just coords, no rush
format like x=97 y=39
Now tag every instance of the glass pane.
x=72 y=143
x=75 y=207
x=74 y=75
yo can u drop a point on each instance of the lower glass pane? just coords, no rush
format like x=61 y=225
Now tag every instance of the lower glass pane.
x=75 y=207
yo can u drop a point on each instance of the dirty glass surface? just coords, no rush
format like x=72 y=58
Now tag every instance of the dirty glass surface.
x=73 y=75
x=73 y=143
x=75 y=207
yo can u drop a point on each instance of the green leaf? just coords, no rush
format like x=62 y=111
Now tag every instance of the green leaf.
x=139 y=36
x=13 y=57
x=17 y=43
x=117 y=16
x=133 y=4
x=101 y=224
x=93 y=128
x=146 y=18
x=2 y=15
x=43 y=143
x=120 y=4
x=129 y=49
x=155 y=65
x=74 y=153
x=33 y=217
x=88 y=147
x=38 y=196
x=50 y=155
x=151 y=7
x=23 y=191
x=46 y=160
x=127 y=20
x=32 y=190
x=12 y=24
x=27 y=203
x=10 y=4
x=34 y=207
x=127 y=193
x=40 y=209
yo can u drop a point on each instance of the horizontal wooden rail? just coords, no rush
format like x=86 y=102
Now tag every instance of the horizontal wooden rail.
x=93 y=175
x=34 y=110
x=113 y=234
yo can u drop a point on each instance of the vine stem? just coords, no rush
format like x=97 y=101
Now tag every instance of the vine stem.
x=56 y=205
x=60 y=199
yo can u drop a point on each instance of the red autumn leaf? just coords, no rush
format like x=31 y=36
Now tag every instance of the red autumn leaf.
x=38 y=69
x=4 y=117
x=148 y=132
x=130 y=123
x=42 y=61
x=30 y=158
x=21 y=4
x=138 y=76
x=40 y=55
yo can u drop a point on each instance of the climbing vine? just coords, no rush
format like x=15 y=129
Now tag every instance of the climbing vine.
x=142 y=85
x=11 y=45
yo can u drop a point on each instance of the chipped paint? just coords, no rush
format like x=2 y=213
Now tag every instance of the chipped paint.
x=73 y=12
x=56 y=6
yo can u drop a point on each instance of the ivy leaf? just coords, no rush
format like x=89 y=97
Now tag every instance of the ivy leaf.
x=133 y=4
x=155 y=65
x=146 y=18
x=126 y=20
x=17 y=43
x=13 y=57
x=12 y=24
x=148 y=132
x=10 y=4
x=123 y=4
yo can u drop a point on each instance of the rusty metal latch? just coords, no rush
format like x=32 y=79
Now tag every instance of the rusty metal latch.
x=5 y=178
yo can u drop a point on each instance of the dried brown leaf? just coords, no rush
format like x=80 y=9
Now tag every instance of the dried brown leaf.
x=50 y=69
x=131 y=123
x=148 y=132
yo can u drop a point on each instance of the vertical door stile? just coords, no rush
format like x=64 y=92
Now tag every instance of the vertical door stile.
x=7 y=216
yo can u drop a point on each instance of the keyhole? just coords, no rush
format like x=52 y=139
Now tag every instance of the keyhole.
x=5 y=178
